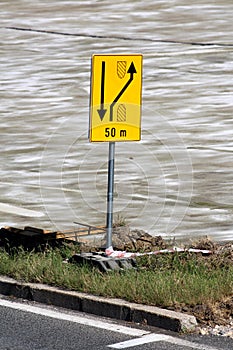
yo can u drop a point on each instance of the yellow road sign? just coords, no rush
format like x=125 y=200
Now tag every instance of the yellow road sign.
x=115 y=102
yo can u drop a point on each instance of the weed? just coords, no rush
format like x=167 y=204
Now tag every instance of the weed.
x=162 y=280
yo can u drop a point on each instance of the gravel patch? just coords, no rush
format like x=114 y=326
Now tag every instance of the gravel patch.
x=219 y=330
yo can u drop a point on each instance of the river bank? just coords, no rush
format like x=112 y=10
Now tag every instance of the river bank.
x=196 y=281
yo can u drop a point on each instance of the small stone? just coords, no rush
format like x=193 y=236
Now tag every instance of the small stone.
x=204 y=331
x=229 y=334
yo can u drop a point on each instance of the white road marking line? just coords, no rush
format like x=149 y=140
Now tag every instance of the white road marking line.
x=12 y=209
x=143 y=337
x=149 y=338
x=74 y=318
x=187 y=343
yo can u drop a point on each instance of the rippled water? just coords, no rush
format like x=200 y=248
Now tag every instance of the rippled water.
x=178 y=180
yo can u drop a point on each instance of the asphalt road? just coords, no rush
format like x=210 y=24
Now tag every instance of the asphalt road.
x=30 y=326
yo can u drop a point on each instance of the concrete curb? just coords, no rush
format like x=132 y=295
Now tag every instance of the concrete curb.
x=113 y=308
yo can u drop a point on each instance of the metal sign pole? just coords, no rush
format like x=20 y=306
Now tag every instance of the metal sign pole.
x=110 y=193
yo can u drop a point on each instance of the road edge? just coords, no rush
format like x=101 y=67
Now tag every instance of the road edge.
x=101 y=306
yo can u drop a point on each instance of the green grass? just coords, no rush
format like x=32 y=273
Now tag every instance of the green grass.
x=162 y=280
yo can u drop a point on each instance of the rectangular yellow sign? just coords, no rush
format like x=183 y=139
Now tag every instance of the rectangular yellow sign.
x=115 y=102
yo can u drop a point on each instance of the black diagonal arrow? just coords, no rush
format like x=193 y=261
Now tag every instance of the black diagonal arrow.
x=131 y=71
x=102 y=110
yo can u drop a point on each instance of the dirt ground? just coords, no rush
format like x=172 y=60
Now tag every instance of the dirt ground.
x=220 y=313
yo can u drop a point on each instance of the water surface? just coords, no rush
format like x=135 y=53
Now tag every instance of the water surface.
x=177 y=181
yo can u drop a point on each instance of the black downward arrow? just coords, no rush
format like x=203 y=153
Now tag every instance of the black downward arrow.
x=131 y=71
x=102 y=110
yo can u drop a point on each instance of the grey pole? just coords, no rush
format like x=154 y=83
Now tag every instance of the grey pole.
x=110 y=193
